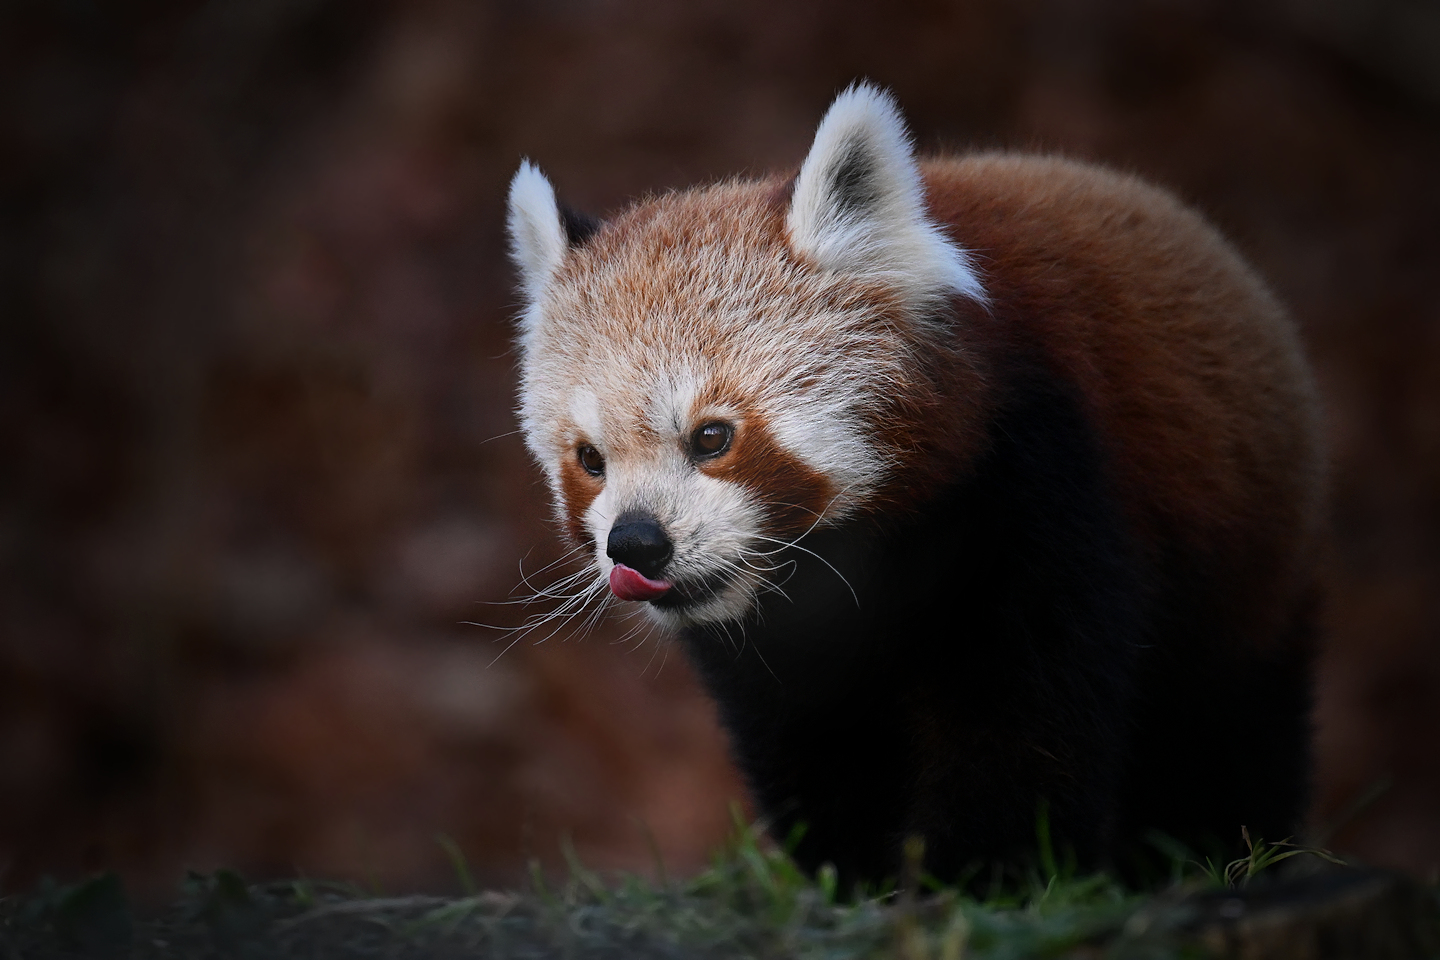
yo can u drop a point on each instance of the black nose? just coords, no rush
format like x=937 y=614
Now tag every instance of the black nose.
x=640 y=543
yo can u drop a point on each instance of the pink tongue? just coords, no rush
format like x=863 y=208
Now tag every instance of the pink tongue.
x=629 y=584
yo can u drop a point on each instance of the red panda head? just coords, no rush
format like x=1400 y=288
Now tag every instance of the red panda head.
x=711 y=374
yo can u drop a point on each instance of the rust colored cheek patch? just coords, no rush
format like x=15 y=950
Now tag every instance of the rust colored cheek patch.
x=579 y=490
x=792 y=494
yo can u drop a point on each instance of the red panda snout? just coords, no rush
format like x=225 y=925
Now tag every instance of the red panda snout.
x=639 y=542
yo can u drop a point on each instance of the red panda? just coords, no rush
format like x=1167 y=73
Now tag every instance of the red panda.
x=971 y=486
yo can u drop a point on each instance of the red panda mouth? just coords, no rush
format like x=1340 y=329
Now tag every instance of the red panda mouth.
x=693 y=593
x=627 y=583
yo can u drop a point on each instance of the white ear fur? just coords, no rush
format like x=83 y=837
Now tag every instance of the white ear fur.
x=537 y=235
x=859 y=204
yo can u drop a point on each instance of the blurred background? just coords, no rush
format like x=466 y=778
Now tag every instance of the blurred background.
x=258 y=469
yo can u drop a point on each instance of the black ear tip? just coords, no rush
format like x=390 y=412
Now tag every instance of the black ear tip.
x=853 y=178
x=579 y=227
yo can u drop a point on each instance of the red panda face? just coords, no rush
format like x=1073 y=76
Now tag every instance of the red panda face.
x=707 y=378
x=690 y=370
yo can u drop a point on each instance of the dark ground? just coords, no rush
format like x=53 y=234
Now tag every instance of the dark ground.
x=752 y=902
x=255 y=397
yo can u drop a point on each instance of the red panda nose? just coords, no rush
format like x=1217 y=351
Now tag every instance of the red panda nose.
x=640 y=543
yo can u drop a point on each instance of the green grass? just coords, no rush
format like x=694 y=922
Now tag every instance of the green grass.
x=751 y=902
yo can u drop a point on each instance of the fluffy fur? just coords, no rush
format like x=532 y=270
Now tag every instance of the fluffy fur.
x=1021 y=505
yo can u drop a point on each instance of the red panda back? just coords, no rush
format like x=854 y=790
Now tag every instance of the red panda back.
x=1187 y=365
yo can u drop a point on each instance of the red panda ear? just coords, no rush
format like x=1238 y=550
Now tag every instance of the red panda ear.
x=541 y=231
x=859 y=204
x=537 y=234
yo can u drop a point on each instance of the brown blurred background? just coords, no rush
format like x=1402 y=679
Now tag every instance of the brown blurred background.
x=257 y=460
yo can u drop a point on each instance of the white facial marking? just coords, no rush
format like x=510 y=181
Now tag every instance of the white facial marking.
x=585 y=413
x=712 y=523
x=831 y=443
x=670 y=398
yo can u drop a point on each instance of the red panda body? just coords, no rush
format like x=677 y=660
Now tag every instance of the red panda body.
x=969 y=486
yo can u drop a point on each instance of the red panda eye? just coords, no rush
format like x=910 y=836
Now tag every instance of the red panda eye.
x=712 y=439
x=591 y=460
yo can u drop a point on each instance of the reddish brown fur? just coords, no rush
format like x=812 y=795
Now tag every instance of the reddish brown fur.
x=1188 y=367
x=579 y=490
x=793 y=494
x=937 y=422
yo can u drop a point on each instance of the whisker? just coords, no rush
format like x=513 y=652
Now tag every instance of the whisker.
x=784 y=544
x=547 y=590
x=634 y=631
x=634 y=628
x=572 y=605
x=501 y=436
x=819 y=515
x=663 y=660
x=767 y=665
x=764 y=583
x=593 y=619
x=563 y=558
x=571 y=615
